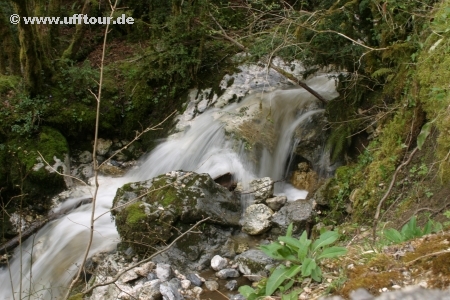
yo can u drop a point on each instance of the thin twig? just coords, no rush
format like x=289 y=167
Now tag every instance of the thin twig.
x=94 y=157
x=428 y=255
x=388 y=192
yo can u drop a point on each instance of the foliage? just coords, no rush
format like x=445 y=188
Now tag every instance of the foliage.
x=411 y=230
x=23 y=115
x=304 y=257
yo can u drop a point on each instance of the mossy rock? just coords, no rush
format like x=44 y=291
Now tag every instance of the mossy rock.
x=23 y=172
x=146 y=212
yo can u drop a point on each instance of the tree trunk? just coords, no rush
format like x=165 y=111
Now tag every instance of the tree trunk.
x=9 y=57
x=77 y=39
x=29 y=55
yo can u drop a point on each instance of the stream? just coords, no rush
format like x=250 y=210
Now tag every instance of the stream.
x=43 y=267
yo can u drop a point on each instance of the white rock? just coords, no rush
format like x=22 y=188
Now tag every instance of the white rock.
x=218 y=263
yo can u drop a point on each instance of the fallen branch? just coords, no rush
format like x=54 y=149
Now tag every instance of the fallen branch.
x=299 y=82
x=35 y=226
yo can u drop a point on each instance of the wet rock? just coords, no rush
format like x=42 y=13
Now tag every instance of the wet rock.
x=150 y=290
x=103 y=146
x=231 y=285
x=261 y=189
x=325 y=192
x=129 y=276
x=185 y=284
x=169 y=291
x=312 y=136
x=276 y=203
x=179 y=196
x=105 y=292
x=212 y=285
x=304 y=178
x=218 y=263
x=237 y=297
x=257 y=219
x=109 y=169
x=227 y=273
x=85 y=157
x=296 y=212
x=145 y=269
x=194 y=279
x=253 y=263
x=163 y=272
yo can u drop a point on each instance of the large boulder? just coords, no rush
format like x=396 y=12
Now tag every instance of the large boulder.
x=145 y=212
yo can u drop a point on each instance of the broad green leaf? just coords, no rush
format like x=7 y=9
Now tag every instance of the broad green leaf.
x=246 y=291
x=291 y=242
x=437 y=226
x=276 y=279
x=292 y=295
x=289 y=230
x=307 y=266
x=423 y=135
x=303 y=251
x=325 y=239
x=332 y=252
x=288 y=285
x=316 y=274
x=393 y=235
x=279 y=275
x=273 y=250
x=428 y=227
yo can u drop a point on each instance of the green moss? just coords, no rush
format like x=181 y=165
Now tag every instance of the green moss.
x=433 y=71
x=8 y=83
x=135 y=214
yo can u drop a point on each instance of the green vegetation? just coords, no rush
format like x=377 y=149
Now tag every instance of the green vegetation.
x=302 y=257
x=411 y=230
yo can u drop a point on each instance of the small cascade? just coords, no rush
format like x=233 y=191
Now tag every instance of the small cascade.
x=250 y=139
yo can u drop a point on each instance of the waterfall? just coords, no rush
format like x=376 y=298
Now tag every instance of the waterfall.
x=217 y=142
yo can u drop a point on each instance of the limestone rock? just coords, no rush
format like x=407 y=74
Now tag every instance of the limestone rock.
x=218 y=263
x=254 y=262
x=103 y=146
x=227 y=273
x=179 y=196
x=212 y=285
x=276 y=203
x=257 y=219
x=150 y=290
x=305 y=180
x=163 y=272
x=297 y=212
x=260 y=189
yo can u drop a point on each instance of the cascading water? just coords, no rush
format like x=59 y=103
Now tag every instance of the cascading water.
x=217 y=142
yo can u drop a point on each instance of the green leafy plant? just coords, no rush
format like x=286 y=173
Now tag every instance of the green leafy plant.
x=411 y=230
x=303 y=256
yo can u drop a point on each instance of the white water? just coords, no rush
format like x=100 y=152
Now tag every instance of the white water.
x=57 y=248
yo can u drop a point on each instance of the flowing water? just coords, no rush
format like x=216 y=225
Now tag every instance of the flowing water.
x=211 y=145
